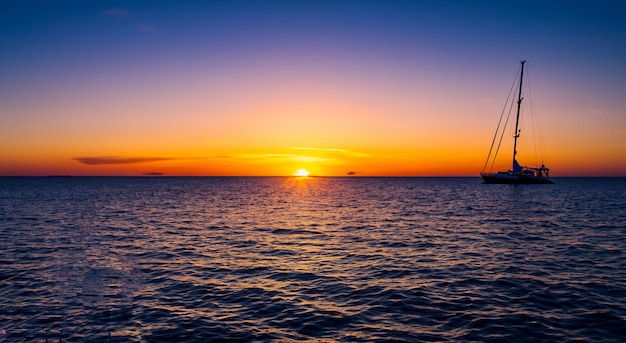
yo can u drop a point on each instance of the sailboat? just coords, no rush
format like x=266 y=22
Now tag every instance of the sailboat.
x=518 y=174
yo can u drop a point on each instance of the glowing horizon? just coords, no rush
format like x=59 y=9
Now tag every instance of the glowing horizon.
x=336 y=88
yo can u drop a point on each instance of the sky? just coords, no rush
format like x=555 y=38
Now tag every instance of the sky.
x=265 y=88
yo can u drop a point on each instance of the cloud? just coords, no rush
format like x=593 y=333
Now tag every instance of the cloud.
x=321 y=149
x=118 y=160
x=265 y=158
x=116 y=12
x=331 y=151
x=300 y=154
x=147 y=28
x=270 y=158
x=597 y=110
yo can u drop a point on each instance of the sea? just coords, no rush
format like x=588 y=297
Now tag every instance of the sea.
x=311 y=259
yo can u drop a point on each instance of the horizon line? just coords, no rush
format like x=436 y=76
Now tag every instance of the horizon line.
x=295 y=176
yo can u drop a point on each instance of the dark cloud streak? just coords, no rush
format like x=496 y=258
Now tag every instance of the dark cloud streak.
x=119 y=160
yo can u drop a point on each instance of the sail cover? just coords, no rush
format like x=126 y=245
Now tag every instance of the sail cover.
x=516 y=166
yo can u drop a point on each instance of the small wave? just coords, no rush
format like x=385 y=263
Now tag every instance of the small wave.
x=406 y=260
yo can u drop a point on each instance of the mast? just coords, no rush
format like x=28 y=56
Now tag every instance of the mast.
x=519 y=104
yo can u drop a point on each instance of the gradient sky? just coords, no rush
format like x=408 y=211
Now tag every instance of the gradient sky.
x=269 y=87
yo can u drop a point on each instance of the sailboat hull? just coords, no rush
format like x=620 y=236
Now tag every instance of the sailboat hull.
x=507 y=178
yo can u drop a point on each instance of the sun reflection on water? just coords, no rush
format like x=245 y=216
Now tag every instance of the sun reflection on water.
x=295 y=258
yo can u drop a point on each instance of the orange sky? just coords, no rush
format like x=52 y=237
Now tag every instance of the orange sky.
x=399 y=91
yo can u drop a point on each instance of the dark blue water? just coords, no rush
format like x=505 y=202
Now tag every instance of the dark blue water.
x=311 y=259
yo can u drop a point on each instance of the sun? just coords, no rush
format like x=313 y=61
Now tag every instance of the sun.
x=301 y=172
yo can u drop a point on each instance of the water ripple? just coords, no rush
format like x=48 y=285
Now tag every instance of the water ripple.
x=310 y=259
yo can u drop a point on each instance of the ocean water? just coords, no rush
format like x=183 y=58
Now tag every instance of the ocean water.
x=311 y=259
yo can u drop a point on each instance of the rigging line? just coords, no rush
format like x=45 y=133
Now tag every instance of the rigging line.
x=512 y=103
x=542 y=147
x=533 y=117
x=537 y=129
x=495 y=135
x=506 y=122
